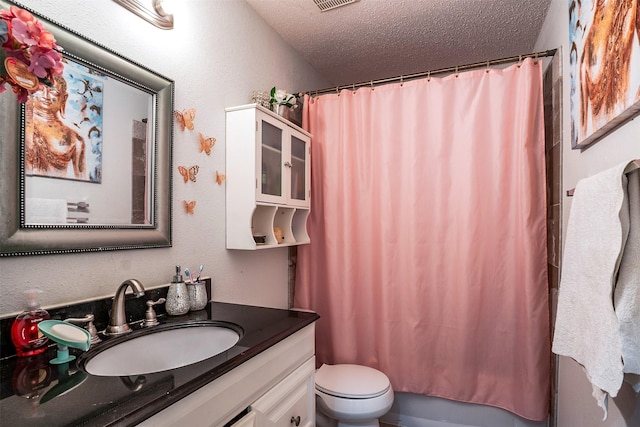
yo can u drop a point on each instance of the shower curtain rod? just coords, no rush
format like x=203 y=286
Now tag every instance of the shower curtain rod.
x=455 y=69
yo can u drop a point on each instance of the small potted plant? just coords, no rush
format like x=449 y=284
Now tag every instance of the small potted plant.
x=282 y=102
x=28 y=53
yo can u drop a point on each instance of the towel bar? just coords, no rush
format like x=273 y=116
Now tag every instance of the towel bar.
x=80 y=207
x=633 y=166
x=72 y=220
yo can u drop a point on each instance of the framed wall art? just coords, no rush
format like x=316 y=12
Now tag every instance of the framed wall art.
x=604 y=67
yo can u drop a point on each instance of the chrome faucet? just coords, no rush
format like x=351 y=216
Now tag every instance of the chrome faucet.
x=118 y=321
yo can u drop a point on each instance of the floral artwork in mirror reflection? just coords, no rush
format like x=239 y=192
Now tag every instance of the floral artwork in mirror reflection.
x=63 y=126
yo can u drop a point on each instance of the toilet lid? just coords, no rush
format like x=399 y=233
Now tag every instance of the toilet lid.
x=351 y=381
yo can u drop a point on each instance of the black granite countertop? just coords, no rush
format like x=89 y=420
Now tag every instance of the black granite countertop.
x=36 y=393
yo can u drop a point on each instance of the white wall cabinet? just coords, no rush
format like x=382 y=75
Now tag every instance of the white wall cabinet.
x=268 y=168
x=277 y=386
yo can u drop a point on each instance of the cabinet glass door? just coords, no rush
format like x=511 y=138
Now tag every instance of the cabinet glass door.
x=298 y=169
x=271 y=170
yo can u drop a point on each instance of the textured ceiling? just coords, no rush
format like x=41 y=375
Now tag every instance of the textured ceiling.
x=375 y=39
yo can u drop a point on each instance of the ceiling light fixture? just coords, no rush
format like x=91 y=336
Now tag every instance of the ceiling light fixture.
x=153 y=11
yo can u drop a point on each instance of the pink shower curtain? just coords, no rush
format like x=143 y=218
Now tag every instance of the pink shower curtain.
x=428 y=236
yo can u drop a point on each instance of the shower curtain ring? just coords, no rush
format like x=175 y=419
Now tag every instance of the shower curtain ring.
x=519 y=60
x=428 y=76
x=372 y=88
x=456 y=71
x=487 y=66
x=353 y=88
x=401 y=81
x=338 y=90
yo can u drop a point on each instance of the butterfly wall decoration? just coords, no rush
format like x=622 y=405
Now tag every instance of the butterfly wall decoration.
x=189 y=173
x=206 y=144
x=185 y=119
x=189 y=206
x=220 y=177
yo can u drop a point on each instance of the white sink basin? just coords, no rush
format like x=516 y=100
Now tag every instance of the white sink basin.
x=161 y=349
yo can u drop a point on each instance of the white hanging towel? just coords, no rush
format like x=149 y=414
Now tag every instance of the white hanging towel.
x=627 y=293
x=587 y=327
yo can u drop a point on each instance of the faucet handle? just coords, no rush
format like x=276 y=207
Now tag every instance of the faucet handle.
x=150 y=315
x=89 y=326
x=151 y=303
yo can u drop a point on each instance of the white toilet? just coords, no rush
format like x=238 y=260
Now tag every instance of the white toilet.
x=351 y=396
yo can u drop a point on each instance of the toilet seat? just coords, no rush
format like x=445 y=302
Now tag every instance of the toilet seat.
x=351 y=381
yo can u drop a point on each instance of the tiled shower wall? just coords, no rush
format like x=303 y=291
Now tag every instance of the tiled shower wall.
x=553 y=156
x=293 y=259
x=139 y=172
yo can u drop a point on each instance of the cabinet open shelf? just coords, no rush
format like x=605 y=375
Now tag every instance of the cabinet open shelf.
x=292 y=222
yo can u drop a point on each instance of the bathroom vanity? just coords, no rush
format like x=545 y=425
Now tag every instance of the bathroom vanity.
x=277 y=385
x=267 y=377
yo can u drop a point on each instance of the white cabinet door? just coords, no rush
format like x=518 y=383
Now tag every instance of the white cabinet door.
x=283 y=164
x=291 y=402
x=270 y=160
x=299 y=170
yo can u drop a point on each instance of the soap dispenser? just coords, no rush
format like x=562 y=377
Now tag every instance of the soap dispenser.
x=177 y=296
x=25 y=335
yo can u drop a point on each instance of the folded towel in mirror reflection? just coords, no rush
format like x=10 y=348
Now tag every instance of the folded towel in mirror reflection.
x=45 y=211
x=599 y=295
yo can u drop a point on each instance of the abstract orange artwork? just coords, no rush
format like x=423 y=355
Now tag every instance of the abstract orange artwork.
x=63 y=126
x=604 y=65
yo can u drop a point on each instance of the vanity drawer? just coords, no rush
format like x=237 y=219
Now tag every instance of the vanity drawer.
x=292 y=401
x=248 y=420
